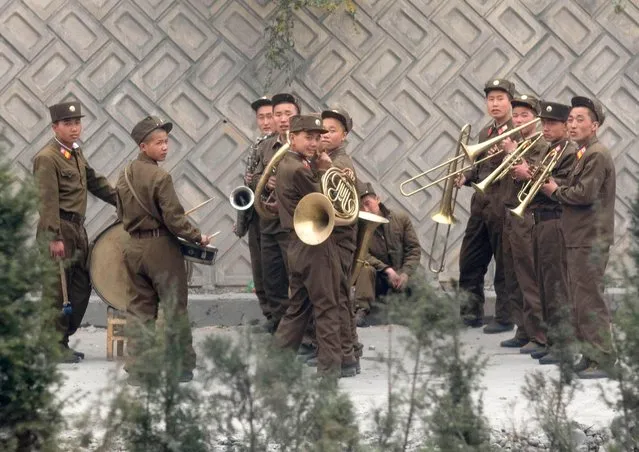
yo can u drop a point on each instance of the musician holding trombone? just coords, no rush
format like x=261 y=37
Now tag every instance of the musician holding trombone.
x=587 y=197
x=548 y=245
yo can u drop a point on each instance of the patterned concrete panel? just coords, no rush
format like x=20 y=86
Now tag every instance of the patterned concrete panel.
x=79 y=30
x=410 y=72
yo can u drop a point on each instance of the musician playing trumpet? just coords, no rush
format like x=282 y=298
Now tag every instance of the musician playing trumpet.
x=548 y=246
x=587 y=197
x=517 y=246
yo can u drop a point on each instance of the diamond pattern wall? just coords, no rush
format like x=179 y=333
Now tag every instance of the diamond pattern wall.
x=410 y=72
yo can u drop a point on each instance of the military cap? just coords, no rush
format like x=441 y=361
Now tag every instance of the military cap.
x=65 y=110
x=593 y=105
x=307 y=123
x=143 y=128
x=364 y=189
x=526 y=100
x=255 y=105
x=554 y=111
x=285 y=98
x=341 y=115
x=500 y=84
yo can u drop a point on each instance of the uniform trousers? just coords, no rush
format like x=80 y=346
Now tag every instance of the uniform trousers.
x=586 y=268
x=482 y=241
x=521 y=277
x=156 y=273
x=549 y=253
x=76 y=248
x=348 y=325
x=275 y=272
x=315 y=286
x=369 y=285
x=255 y=251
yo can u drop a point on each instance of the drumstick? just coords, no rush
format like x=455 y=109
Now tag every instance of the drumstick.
x=190 y=211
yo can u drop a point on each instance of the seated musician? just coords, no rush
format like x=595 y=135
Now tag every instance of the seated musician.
x=394 y=254
x=152 y=215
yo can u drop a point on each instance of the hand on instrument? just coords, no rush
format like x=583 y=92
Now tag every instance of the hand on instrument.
x=549 y=187
x=521 y=172
x=204 y=240
x=460 y=180
x=508 y=145
x=393 y=277
x=323 y=161
x=401 y=282
x=248 y=178
x=494 y=150
x=56 y=248
x=270 y=184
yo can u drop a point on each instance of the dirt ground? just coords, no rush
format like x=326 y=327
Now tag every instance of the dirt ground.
x=504 y=405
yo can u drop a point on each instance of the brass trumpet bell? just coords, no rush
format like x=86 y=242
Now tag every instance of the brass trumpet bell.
x=242 y=198
x=314 y=218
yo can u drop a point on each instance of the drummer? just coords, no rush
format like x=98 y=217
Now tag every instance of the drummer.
x=152 y=215
x=63 y=177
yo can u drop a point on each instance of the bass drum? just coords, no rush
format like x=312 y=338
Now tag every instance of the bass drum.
x=106 y=266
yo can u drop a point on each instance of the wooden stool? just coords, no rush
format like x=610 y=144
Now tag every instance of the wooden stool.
x=116 y=322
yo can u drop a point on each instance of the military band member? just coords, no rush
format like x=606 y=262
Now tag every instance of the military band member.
x=549 y=252
x=517 y=243
x=263 y=108
x=394 y=254
x=64 y=177
x=482 y=239
x=338 y=124
x=152 y=215
x=314 y=270
x=274 y=239
x=588 y=220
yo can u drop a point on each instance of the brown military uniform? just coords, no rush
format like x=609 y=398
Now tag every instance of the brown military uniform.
x=64 y=177
x=394 y=244
x=314 y=276
x=154 y=263
x=273 y=242
x=549 y=251
x=483 y=239
x=588 y=201
x=517 y=248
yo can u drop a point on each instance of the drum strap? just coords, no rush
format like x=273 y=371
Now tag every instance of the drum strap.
x=135 y=195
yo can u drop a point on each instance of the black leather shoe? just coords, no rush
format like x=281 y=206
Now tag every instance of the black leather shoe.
x=549 y=359
x=360 y=319
x=348 y=370
x=540 y=354
x=473 y=322
x=513 y=343
x=532 y=347
x=186 y=376
x=593 y=371
x=496 y=327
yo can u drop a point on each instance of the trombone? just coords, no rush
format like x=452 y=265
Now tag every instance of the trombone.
x=470 y=152
x=445 y=215
x=506 y=165
x=538 y=178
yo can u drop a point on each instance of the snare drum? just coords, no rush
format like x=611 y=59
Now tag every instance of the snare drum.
x=197 y=253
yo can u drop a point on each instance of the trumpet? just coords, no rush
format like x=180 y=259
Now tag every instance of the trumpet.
x=445 y=215
x=537 y=179
x=478 y=148
x=512 y=159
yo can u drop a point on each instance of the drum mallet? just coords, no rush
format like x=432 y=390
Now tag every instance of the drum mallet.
x=202 y=204
x=66 y=306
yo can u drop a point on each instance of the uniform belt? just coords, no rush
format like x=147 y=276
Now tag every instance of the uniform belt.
x=159 y=232
x=545 y=215
x=72 y=217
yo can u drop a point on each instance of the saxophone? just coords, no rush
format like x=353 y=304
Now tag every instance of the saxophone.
x=245 y=215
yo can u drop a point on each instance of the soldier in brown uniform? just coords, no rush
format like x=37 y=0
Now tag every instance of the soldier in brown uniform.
x=517 y=242
x=394 y=254
x=314 y=270
x=588 y=221
x=63 y=177
x=549 y=253
x=152 y=215
x=263 y=108
x=482 y=238
x=274 y=239
x=338 y=124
